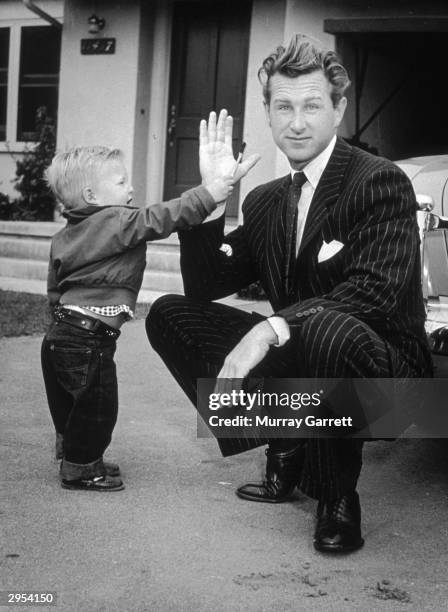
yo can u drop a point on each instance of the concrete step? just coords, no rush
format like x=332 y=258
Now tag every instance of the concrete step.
x=44 y=229
x=23 y=268
x=9 y=283
x=28 y=269
x=24 y=248
x=166 y=282
x=163 y=257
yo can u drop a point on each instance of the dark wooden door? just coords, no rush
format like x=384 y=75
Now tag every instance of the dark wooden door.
x=208 y=72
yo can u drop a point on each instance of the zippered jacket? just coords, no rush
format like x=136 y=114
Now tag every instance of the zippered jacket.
x=99 y=257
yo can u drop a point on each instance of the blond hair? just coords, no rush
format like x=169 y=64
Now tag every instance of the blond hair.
x=73 y=170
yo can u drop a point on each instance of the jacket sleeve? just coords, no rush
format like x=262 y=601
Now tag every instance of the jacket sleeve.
x=209 y=273
x=160 y=220
x=381 y=252
x=52 y=286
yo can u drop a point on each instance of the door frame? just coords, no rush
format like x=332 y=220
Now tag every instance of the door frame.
x=160 y=79
x=158 y=101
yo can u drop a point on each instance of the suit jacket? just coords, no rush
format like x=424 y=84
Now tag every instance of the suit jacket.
x=364 y=202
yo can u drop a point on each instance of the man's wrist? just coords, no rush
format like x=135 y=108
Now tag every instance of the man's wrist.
x=281 y=329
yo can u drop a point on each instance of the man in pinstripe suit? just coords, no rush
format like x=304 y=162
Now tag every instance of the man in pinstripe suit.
x=335 y=246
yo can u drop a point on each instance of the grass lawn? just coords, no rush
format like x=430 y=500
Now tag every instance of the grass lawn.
x=24 y=314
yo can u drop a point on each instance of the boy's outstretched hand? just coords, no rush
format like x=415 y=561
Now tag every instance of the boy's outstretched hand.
x=219 y=169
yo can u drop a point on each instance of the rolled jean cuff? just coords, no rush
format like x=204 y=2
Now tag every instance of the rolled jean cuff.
x=59 y=446
x=84 y=471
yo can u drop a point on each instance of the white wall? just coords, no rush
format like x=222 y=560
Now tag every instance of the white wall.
x=274 y=23
x=267 y=31
x=97 y=99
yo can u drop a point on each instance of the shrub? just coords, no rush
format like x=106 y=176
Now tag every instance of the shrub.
x=36 y=202
x=6 y=207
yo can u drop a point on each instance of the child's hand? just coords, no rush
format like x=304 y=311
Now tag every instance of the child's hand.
x=219 y=170
x=220 y=188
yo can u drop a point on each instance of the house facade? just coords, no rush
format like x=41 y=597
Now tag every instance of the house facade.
x=139 y=75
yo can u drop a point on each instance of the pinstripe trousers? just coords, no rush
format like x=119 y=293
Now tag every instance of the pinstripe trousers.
x=194 y=337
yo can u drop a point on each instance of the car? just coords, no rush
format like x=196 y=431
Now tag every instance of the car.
x=429 y=177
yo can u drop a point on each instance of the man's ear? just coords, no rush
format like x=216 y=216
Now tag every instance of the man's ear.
x=340 y=110
x=88 y=195
x=266 y=111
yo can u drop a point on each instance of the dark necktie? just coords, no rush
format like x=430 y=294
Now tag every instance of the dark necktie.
x=294 y=193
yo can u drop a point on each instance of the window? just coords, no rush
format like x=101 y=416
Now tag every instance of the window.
x=4 y=61
x=29 y=78
x=39 y=76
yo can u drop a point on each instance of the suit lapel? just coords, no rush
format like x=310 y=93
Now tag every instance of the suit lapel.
x=327 y=191
x=275 y=238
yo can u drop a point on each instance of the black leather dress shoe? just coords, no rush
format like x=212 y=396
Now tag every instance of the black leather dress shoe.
x=338 y=527
x=97 y=483
x=282 y=475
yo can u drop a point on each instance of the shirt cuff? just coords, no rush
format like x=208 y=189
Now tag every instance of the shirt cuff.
x=281 y=328
x=218 y=212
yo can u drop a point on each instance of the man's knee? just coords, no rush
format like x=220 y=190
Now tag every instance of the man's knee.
x=159 y=314
x=330 y=338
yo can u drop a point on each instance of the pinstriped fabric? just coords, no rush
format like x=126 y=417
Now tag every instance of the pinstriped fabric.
x=193 y=338
x=360 y=313
x=364 y=202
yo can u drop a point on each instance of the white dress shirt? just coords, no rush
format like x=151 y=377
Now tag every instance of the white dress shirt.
x=313 y=172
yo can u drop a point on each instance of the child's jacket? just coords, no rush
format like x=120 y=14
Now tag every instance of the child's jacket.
x=99 y=257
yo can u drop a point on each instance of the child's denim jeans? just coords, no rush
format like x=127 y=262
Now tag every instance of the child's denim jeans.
x=81 y=384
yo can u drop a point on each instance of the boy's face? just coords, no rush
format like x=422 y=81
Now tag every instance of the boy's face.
x=111 y=187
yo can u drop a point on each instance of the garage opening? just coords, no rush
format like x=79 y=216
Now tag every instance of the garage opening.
x=397 y=102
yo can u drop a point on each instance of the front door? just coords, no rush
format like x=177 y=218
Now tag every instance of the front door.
x=208 y=72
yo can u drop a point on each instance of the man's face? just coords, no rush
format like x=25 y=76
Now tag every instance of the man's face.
x=112 y=187
x=301 y=115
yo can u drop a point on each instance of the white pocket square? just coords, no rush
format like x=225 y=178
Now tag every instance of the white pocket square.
x=328 y=250
x=226 y=249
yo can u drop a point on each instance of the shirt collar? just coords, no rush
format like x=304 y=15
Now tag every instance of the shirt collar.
x=315 y=168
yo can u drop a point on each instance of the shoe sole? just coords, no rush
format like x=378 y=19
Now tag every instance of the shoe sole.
x=263 y=500
x=338 y=549
x=87 y=488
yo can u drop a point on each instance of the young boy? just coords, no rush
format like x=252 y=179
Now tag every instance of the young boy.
x=96 y=269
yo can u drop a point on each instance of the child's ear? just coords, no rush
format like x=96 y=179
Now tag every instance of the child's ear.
x=88 y=195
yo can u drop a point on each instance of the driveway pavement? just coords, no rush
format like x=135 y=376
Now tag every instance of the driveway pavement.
x=177 y=538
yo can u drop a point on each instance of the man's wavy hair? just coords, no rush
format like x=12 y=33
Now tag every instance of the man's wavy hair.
x=302 y=56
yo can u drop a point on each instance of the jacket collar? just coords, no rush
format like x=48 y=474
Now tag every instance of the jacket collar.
x=326 y=194
x=327 y=191
x=76 y=215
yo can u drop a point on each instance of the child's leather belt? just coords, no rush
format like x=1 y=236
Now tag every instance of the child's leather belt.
x=82 y=321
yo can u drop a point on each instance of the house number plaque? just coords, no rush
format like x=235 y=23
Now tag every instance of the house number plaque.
x=97 y=46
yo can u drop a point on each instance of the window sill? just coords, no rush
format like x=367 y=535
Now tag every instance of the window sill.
x=16 y=147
